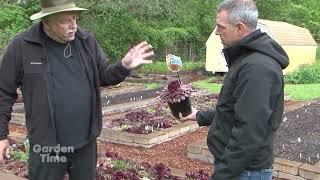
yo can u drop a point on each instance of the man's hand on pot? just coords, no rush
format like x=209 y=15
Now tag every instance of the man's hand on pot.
x=191 y=116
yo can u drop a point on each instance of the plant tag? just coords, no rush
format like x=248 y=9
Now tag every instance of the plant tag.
x=174 y=63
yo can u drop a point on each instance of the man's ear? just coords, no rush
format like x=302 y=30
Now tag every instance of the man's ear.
x=44 y=21
x=240 y=27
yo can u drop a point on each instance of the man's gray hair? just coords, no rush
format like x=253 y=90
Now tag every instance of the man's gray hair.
x=244 y=11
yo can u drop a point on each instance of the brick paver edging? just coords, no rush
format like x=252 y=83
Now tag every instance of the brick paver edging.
x=282 y=168
x=147 y=140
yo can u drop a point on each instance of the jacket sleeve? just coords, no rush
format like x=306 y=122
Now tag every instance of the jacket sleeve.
x=109 y=74
x=9 y=82
x=205 y=118
x=255 y=87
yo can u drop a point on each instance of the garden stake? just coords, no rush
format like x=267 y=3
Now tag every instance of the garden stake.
x=179 y=77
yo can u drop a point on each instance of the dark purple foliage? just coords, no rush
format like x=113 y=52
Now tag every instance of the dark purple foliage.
x=103 y=168
x=105 y=171
x=161 y=171
x=12 y=141
x=121 y=175
x=138 y=130
x=175 y=92
x=99 y=176
x=111 y=155
x=139 y=120
x=132 y=174
x=118 y=175
x=201 y=175
x=174 y=86
x=138 y=116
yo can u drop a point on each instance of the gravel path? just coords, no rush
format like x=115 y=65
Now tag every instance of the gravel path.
x=172 y=153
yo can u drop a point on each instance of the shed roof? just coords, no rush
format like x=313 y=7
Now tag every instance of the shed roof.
x=288 y=34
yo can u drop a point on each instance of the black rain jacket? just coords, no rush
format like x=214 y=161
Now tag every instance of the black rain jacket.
x=249 y=109
x=25 y=65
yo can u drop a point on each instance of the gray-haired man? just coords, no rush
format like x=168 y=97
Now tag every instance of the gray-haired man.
x=250 y=104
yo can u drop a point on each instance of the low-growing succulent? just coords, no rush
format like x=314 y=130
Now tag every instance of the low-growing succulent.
x=175 y=92
x=111 y=166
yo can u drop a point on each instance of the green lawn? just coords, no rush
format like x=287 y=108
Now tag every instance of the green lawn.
x=152 y=85
x=206 y=84
x=302 y=91
x=295 y=91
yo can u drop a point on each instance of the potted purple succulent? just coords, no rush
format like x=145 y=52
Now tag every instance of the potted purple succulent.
x=177 y=96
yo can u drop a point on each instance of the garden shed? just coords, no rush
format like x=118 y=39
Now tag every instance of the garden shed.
x=296 y=41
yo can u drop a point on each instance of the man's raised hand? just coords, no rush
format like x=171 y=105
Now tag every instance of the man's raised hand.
x=139 y=54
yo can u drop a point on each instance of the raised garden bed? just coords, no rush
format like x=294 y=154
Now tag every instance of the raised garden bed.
x=123 y=87
x=111 y=95
x=126 y=97
x=150 y=125
x=122 y=93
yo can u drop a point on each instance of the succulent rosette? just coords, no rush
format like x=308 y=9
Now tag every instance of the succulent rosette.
x=177 y=96
x=175 y=92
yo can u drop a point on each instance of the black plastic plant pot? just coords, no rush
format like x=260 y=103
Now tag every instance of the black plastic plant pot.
x=183 y=107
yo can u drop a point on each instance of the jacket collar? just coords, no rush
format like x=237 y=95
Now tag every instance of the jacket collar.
x=35 y=32
x=232 y=53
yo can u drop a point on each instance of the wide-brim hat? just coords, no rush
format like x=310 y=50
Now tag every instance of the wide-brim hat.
x=49 y=7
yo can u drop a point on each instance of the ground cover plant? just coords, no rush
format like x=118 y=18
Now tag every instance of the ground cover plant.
x=110 y=166
x=142 y=121
x=114 y=167
x=154 y=117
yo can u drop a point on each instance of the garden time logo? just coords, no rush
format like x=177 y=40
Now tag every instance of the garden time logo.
x=51 y=154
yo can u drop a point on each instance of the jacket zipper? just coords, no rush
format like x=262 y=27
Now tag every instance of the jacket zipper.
x=49 y=101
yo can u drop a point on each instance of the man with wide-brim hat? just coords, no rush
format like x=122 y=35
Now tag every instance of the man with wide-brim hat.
x=60 y=69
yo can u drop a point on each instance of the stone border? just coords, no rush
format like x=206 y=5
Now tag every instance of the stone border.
x=147 y=140
x=282 y=168
x=18 y=118
x=199 y=151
